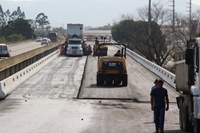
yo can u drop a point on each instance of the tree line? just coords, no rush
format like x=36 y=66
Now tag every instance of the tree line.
x=14 y=26
x=163 y=40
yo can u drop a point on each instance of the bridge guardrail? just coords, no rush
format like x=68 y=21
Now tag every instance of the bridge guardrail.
x=15 y=70
x=10 y=84
x=164 y=74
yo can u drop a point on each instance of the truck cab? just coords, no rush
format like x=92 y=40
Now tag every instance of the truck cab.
x=74 y=47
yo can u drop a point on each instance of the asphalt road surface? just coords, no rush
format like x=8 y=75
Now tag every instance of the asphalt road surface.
x=21 y=47
x=51 y=102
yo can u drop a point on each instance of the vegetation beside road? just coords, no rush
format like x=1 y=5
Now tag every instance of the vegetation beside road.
x=15 y=27
x=157 y=40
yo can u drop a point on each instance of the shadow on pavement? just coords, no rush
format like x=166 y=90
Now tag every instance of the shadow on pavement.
x=175 y=131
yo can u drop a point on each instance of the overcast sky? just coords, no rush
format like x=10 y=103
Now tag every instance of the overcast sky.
x=89 y=12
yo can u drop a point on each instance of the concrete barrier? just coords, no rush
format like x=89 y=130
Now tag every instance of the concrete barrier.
x=4 y=64
x=10 y=84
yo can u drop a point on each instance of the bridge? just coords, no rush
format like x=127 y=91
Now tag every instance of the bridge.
x=46 y=92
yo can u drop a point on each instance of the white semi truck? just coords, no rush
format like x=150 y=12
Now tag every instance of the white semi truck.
x=188 y=84
x=74 y=40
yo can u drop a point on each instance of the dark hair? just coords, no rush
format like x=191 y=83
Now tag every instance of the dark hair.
x=155 y=81
x=160 y=81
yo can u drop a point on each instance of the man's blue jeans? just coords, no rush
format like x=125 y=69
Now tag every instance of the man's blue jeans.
x=159 y=113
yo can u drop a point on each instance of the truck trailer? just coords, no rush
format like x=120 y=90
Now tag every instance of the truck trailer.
x=53 y=36
x=75 y=30
x=188 y=85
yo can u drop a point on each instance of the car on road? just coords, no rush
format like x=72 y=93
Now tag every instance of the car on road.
x=45 y=41
x=4 y=50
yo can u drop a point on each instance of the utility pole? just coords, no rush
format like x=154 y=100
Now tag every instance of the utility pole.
x=173 y=19
x=149 y=22
x=190 y=17
x=172 y=35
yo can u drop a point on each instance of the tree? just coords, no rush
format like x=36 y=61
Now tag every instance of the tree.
x=7 y=16
x=18 y=26
x=183 y=32
x=135 y=33
x=2 y=17
x=60 y=31
x=42 y=23
x=17 y=14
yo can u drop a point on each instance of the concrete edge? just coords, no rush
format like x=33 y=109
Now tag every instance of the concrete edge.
x=11 y=83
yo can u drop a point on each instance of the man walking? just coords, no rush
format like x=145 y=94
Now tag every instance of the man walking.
x=159 y=103
x=155 y=85
x=152 y=88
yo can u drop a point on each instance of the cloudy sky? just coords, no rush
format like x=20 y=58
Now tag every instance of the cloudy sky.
x=89 y=12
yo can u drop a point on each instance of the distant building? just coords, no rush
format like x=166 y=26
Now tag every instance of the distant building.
x=90 y=35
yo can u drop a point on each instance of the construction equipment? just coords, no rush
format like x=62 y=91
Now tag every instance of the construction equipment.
x=87 y=50
x=112 y=69
x=99 y=50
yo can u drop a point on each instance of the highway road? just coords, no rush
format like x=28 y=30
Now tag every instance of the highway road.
x=21 y=47
x=58 y=100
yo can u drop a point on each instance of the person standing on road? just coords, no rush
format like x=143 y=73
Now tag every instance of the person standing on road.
x=152 y=88
x=155 y=85
x=159 y=104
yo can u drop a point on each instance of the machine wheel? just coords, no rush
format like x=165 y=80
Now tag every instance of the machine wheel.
x=99 y=81
x=124 y=82
x=117 y=82
x=109 y=82
x=196 y=126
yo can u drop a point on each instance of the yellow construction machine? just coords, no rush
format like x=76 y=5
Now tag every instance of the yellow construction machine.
x=99 y=50
x=112 y=69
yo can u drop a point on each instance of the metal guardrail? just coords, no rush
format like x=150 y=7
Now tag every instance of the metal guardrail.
x=164 y=74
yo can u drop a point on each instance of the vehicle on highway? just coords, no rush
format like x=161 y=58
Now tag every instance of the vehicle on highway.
x=75 y=30
x=4 y=50
x=188 y=84
x=74 y=47
x=99 y=50
x=39 y=39
x=45 y=41
x=112 y=69
x=53 y=36
x=74 y=40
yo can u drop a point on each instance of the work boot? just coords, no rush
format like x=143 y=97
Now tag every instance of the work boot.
x=157 y=131
x=161 y=130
